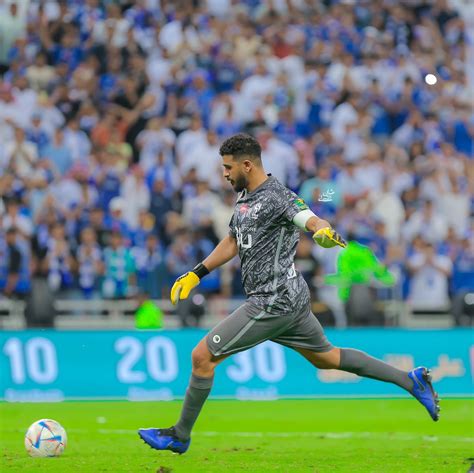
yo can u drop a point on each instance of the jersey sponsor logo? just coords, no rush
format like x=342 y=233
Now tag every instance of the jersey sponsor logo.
x=300 y=203
x=244 y=208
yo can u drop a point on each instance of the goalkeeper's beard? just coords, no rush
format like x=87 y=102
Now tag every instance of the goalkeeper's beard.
x=240 y=184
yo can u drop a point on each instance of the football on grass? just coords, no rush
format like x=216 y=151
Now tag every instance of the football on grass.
x=45 y=438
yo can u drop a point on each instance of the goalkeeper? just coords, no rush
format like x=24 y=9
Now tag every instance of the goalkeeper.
x=264 y=232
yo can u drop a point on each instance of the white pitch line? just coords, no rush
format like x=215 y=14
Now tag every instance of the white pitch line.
x=327 y=435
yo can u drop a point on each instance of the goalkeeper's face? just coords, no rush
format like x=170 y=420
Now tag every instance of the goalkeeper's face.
x=235 y=172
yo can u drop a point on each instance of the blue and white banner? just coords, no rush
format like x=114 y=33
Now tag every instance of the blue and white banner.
x=39 y=365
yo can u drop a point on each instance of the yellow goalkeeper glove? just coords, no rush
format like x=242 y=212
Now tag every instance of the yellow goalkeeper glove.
x=187 y=282
x=183 y=286
x=328 y=238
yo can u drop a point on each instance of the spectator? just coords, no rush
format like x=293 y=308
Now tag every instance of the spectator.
x=36 y=133
x=199 y=95
x=223 y=119
x=52 y=117
x=59 y=260
x=387 y=207
x=101 y=133
x=12 y=261
x=455 y=206
x=113 y=26
x=97 y=223
x=198 y=210
x=89 y=263
x=15 y=218
x=58 y=153
x=151 y=269
x=205 y=158
x=76 y=141
x=430 y=273
x=426 y=221
x=255 y=88
x=21 y=155
x=160 y=205
x=351 y=184
x=135 y=196
x=115 y=221
x=154 y=140
x=146 y=224
x=132 y=104
x=119 y=269
x=463 y=268
x=325 y=146
x=371 y=169
x=12 y=27
x=165 y=171
x=180 y=254
x=278 y=158
x=410 y=132
x=190 y=139
x=345 y=114
x=40 y=75
x=223 y=213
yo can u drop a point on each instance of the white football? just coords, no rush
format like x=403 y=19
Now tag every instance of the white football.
x=45 y=438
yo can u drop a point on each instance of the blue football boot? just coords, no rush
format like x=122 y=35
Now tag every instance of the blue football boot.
x=164 y=439
x=424 y=392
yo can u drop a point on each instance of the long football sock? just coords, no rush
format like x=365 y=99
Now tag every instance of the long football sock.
x=196 y=395
x=361 y=364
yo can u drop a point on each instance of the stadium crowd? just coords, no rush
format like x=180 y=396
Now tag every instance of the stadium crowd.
x=112 y=112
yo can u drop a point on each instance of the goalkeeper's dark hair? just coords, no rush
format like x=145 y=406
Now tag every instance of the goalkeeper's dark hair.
x=240 y=146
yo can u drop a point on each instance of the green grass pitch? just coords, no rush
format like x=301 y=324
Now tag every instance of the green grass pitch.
x=236 y=436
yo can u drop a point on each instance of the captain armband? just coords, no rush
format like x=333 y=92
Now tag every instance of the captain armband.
x=301 y=218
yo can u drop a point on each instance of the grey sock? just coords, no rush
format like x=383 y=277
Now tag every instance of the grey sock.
x=361 y=364
x=196 y=395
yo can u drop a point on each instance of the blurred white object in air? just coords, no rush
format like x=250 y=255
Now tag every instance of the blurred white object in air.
x=431 y=79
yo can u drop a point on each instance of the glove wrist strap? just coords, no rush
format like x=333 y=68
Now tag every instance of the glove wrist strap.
x=200 y=270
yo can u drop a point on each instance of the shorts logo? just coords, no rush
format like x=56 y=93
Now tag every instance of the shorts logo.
x=216 y=338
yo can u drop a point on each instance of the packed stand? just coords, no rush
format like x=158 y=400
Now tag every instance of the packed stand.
x=111 y=116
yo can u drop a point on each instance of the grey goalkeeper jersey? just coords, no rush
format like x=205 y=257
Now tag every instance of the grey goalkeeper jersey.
x=267 y=239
